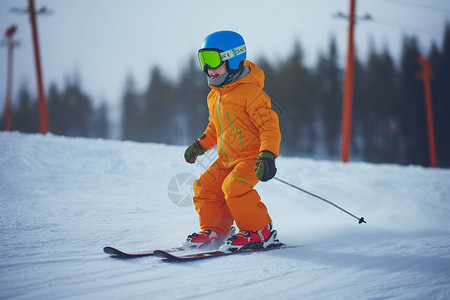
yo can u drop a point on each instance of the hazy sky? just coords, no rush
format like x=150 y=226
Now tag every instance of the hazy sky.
x=104 y=40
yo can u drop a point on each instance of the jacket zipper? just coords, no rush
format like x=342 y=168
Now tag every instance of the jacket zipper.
x=223 y=130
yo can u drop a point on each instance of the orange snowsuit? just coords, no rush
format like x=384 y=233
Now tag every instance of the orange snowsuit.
x=241 y=124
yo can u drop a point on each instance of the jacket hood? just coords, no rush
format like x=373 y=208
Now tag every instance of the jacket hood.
x=255 y=76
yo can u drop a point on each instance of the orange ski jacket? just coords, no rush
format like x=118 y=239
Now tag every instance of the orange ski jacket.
x=241 y=120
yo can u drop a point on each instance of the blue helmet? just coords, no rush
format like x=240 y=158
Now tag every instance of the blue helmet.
x=227 y=41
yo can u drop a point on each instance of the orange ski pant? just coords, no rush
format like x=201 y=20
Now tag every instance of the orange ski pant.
x=223 y=195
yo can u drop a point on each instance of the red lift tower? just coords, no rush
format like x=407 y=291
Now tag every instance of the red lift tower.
x=425 y=76
x=43 y=111
x=8 y=106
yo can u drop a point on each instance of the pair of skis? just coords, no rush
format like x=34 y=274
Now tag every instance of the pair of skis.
x=175 y=256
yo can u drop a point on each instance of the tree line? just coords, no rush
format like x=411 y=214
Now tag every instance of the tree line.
x=389 y=120
x=71 y=111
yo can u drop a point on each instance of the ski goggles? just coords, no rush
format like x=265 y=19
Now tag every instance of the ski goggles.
x=211 y=58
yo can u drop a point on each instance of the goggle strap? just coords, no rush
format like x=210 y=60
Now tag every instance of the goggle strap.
x=233 y=52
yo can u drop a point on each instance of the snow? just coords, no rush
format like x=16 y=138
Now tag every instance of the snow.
x=63 y=199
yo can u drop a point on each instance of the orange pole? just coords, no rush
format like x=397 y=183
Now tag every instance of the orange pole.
x=8 y=107
x=346 y=126
x=43 y=112
x=425 y=76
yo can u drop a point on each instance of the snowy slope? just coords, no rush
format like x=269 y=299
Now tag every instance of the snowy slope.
x=63 y=199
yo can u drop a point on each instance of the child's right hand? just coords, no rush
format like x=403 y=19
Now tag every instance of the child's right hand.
x=194 y=150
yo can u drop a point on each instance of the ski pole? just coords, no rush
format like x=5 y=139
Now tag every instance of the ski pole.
x=360 y=220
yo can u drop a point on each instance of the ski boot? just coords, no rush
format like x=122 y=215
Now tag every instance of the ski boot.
x=206 y=239
x=246 y=240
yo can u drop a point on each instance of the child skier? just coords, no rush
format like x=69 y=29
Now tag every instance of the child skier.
x=247 y=134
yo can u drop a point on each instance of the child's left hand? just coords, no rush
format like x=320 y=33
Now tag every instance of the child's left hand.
x=265 y=166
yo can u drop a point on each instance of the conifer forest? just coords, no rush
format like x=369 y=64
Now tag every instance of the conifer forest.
x=389 y=117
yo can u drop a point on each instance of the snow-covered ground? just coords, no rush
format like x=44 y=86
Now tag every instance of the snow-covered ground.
x=63 y=199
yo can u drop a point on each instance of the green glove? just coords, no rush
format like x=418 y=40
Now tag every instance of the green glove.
x=194 y=150
x=265 y=166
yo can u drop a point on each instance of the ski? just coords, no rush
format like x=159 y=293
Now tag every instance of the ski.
x=114 y=252
x=171 y=257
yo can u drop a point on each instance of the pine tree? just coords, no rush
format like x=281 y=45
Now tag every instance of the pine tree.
x=440 y=89
x=133 y=122
x=100 y=122
x=78 y=108
x=25 y=116
x=413 y=116
x=297 y=124
x=329 y=97
x=378 y=105
x=158 y=103
x=57 y=111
